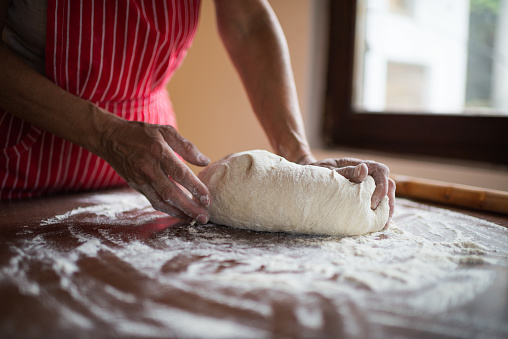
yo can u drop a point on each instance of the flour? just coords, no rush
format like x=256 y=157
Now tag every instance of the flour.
x=113 y=209
x=432 y=262
x=195 y=326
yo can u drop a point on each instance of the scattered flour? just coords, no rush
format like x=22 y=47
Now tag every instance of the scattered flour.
x=433 y=261
x=110 y=208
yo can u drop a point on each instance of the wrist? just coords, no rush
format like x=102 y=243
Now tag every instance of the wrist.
x=306 y=159
x=299 y=154
x=100 y=128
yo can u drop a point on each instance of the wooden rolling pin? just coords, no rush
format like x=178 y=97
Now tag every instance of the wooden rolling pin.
x=452 y=194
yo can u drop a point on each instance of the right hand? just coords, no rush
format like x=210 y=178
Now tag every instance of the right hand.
x=356 y=170
x=144 y=155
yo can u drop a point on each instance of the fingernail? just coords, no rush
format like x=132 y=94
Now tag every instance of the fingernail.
x=205 y=201
x=202 y=219
x=203 y=159
x=358 y=170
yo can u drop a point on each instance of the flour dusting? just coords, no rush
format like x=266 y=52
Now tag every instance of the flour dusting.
x=142 y=274
x=109 y=208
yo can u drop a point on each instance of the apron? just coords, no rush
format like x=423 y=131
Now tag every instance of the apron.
x=118 y=55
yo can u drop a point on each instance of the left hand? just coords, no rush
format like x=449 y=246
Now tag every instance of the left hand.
x=357 y=170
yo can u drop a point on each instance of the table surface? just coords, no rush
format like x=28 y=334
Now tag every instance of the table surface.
x=104 y=264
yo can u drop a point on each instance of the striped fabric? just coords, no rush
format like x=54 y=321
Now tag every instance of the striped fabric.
x=117 y=54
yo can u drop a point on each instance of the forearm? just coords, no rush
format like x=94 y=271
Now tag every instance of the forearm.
x=33 y=98
x=258 y=49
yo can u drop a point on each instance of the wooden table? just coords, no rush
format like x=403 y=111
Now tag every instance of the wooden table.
x=104 y=264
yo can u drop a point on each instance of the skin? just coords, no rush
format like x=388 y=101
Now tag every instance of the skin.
x=144 y=155
x=257 y=47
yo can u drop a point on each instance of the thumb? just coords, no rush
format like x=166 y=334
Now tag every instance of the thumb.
x=356 y=174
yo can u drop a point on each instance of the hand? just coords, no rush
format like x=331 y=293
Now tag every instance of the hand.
x=357 y=170
x=144 y=155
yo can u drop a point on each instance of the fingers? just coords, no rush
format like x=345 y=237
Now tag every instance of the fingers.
x=357 y=170
x=171 y=195
x=182 y=146
x=379 y=173
x=157 y=202
x=341 y=162
x=143 y=155
x=391 y=203
x=165 y=195
x=356 y=174
x=354 y=170
x=182 y=174
x=391 y=196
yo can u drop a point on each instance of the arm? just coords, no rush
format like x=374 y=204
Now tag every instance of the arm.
x=257 y=47
x=143 y=154
x=256 y=44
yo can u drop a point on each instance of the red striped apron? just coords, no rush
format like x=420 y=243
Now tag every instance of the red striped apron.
x=117 y=54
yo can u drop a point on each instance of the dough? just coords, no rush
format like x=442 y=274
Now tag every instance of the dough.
x=258 y=190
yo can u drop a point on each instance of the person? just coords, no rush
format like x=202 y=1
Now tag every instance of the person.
x=84 y=104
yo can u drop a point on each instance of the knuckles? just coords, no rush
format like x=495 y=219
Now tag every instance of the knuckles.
x=142 y=167
x=145 y=161
x=166 y=194
x=187 y=146
x=156 y=149
x=392 y=185
x=378 y=171
x=178 y=173
x=177 y=142
x=168 y=132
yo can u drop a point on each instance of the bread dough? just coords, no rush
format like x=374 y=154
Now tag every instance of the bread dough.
x=258 y=190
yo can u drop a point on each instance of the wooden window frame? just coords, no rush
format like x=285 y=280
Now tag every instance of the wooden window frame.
x=476 y=138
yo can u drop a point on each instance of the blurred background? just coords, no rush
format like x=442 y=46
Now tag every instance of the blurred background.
x=432 y=56
x=213 y=110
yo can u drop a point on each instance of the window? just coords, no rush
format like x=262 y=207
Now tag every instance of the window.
x=406 y=86
x=404 y=7
x=431 y=82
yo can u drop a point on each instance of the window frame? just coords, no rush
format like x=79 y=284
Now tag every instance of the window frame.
x=468 y=137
